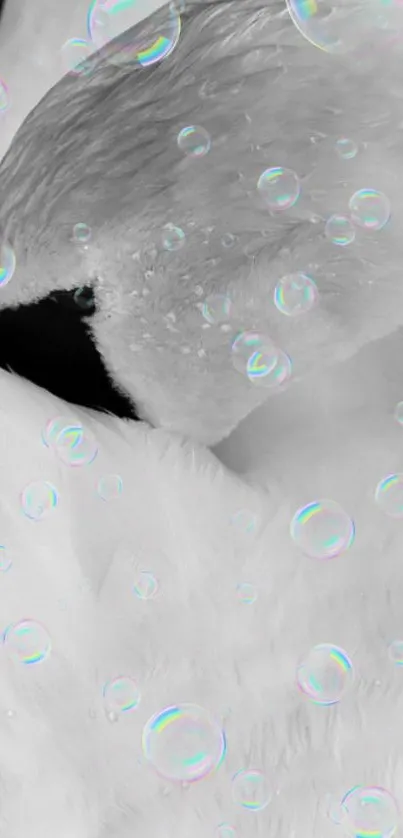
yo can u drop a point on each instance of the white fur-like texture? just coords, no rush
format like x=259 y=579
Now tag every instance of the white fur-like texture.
x=65 y=768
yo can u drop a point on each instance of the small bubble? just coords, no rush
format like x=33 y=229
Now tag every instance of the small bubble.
x=279 y=188
x=121 y=695
x=216 y=309
x=81 y=233
x=325 y=674
x=146 y=586
x=224 y=830
x=5 y=560
x=27 y=641
x=110 y=487
x=250 y=789
x=194 y=141
x=346 y=149
x=173 y=238
x=38 y=500
x=247 y=593
x=75 y=446
x=75 y=54
x=84 y=299
x=295 y=294
x=229 y=240
x=339 y=230
x=399 y=413
x=322 y=530
x=389 y=495
x=7 y=264
x=4 y=98
x=252 y=353
x=396 y=652
x=370 y=209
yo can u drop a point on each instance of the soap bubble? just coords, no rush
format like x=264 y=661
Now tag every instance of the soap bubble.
x=369 y=209
x=322 y=529
x=224 y=830
x=229 y=240
x=346 y=149
x=121 y=695
x=328 y=27
x=339 y=230
x=245 y=520
x=38 y=500
x=279 y=188
x=110 y=487
x=399 y=413
x=75 y=446
x=249 y=348
x=147 y=45
x=369 y=811
x=75 y=54
x=396 y=652
x=173 y=238
x=247 y=593
x=146 y=586
x=194 y=141
x=53 y=428
x=81 y=233
x=4 y=97
x=280 y=375
x=217 y=309
x=84 y=299
x=389 y=495
x=7 y=264
x=295 y=294
x=28 y=642
x=5 y=559
x=250 y=789
x=183 y=743
x=325 y=674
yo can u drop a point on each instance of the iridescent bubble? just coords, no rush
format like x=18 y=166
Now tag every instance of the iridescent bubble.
x=28 y=642
x=81 y=233
x=396 y=652
x=322 y=529
x=279 y=375
x=38 y=500
x=229 y=240
x=184 y=743
x=217 y=309
x=110 y=487
x=173 y=238
x=224 y=830
x=346 y=149
x=146 y=586
x=370 y=811
x=54 y=427
x=247 y=593
x=295 y=294
x=75 y=446
x=84 y=299
x=328 y=27
x=5 y=559
x=121 y=695
x=339 y=230
x=325 y=674
x=279 y=188
x=251 y=790
x=250 y=348
x=4 y=97
x=245 y=520
x=389 y=495
x=194 y=141
x=75 y=54
x=144 y=45
x=399 y=413
x=7 y=264
x=369 y=209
